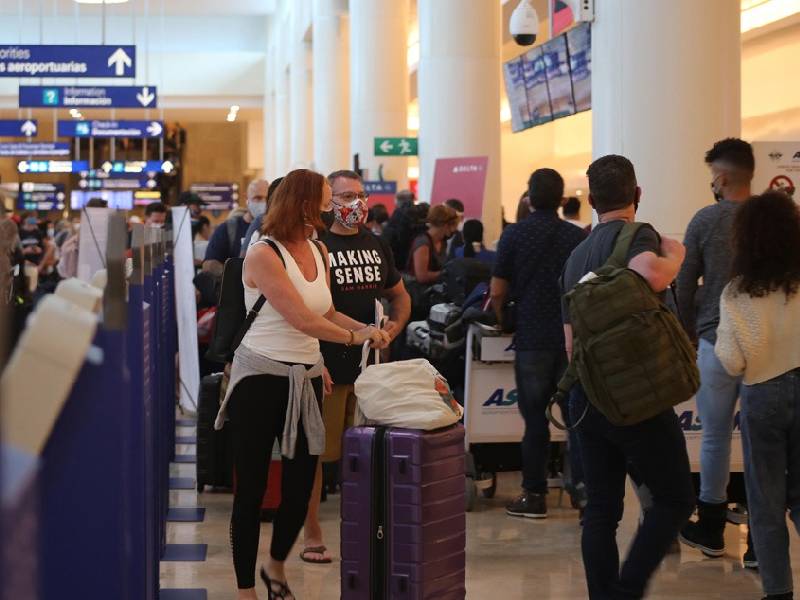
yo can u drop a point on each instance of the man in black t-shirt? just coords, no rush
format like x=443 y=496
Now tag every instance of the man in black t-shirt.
x=362 y=271
x=655 y=449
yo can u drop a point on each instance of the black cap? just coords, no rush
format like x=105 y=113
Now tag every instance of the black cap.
x=189 y=198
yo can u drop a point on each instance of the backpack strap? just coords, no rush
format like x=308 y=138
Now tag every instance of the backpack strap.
x=257 y=305
x=622 y=246
x=231 y=227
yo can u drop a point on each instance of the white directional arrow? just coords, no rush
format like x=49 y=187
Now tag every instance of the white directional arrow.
x=29 y=128
x=145 y=97
x=119 y=60
x=107 y=166
x=386 y=146
x=22 y=167
x=154 y=129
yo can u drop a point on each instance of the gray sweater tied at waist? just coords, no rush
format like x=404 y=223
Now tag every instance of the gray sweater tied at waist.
x=303 y=406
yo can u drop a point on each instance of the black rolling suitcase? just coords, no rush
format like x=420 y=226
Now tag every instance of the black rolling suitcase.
x=214 y=448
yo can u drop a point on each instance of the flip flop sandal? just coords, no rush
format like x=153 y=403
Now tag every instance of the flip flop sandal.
x=315 y=550
x=275 y=589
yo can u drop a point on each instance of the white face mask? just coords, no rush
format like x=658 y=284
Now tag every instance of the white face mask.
x=257 y=209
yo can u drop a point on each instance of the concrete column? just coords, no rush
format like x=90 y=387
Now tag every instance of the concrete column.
x=459 y=92
x=282 y=113
x=300 y=93
x=665 y=87
x=379 y=82
x=331 y=76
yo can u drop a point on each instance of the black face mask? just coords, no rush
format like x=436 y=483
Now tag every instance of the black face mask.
x=328 y=219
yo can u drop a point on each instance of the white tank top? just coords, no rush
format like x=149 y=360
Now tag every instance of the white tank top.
x=271 y=335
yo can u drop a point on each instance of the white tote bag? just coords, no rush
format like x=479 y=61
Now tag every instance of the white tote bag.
x=409 y=393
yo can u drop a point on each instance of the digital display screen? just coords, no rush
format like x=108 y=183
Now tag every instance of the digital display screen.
x=145 y=197
x=534 y=72
x=579 y=43
x=120 y=200
x=40 y=196
x=517 y=96
x=559 y=83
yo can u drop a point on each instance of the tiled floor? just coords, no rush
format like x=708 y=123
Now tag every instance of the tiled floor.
x=507 y=559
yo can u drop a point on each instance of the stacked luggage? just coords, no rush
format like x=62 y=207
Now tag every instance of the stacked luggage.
x=441 y=335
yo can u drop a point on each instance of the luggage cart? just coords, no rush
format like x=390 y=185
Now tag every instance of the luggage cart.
x=492 y=421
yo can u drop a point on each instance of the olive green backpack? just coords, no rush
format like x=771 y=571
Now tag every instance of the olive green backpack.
x=630 y=353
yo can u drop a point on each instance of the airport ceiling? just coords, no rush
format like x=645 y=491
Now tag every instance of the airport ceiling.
x=196 y=8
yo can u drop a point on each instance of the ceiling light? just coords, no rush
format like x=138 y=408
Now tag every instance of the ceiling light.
x=235 y=108
x=231 y=117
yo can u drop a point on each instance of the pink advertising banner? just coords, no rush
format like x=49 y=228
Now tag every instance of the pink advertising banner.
x=461 y=178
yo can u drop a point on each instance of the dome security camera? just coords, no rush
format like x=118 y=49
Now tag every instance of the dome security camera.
x=524 y=23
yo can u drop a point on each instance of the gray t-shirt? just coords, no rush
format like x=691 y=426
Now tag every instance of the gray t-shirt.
x=594 y=251
x=708 y=255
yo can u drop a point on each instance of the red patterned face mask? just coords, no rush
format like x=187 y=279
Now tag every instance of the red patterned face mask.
x=350 y=215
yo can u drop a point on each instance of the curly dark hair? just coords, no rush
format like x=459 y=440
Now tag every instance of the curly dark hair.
x=766 y=245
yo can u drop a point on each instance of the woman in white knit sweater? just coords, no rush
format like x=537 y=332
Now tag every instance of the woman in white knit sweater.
x=759 y=338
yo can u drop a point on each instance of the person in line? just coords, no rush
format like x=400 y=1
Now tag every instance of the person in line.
x=473 y=243
x=276 y=382
x=362 y=270
x=429 y=249
x=457 y=241
x=9 y=250
x=530 y=257
x=155 y=214
x=201 y=232
x=757 y=340
x=227 y=239
x=708 y=240
x=400 y=229
x=523 y=207
x=376 y=218
x=195 y=204
x=253 y=232
x=571 y=209
x=654 y=449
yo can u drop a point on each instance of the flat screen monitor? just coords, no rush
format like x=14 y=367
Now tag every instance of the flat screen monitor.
x=534 y=72
x=556 y=59
x=117 y=199
x=579 y=43
x=517 y=96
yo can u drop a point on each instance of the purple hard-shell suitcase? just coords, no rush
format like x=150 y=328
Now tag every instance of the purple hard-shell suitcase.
x=403 y=522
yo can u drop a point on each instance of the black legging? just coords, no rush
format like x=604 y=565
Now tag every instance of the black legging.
x=257 y=411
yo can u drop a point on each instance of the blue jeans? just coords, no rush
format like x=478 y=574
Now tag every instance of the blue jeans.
x=537 y=373
x=655 y=450
x=716 y=405
x=771 y=441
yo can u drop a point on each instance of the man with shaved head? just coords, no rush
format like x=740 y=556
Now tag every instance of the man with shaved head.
x=226 y=242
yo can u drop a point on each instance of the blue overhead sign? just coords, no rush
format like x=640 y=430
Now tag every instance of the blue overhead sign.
x=67 y=61
x=111 y=129
x=52 y=166
x=19 y=128
x=34 y=149
x=88 y=96
x=381 y=188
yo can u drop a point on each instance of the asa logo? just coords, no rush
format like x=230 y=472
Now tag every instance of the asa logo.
x=689 y=421
x=499 y=399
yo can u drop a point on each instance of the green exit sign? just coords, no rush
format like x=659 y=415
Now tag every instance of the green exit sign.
x=396 y=146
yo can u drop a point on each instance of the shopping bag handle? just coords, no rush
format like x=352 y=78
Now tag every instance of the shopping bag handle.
x=365 y=350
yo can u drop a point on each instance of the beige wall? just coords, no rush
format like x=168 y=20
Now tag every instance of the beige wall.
x=216 y=153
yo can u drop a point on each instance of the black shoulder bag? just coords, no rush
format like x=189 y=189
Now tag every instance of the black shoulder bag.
x=233 y=320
